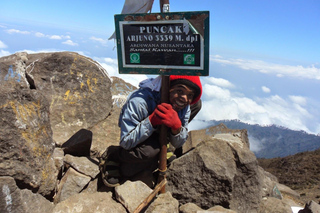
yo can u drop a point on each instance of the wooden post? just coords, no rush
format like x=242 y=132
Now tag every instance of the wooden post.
x=165 y=85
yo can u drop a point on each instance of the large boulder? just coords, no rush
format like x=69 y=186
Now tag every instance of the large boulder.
x=77 y=88
x=218 y=171
x=26 y=144
x=89 y=202
x=12 y=199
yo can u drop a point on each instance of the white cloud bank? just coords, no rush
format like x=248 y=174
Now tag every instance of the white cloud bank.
x=12 y=31
x=102 y=41
x=70 y=43
x=2 y=45
x=279 y=70
x=220 y=104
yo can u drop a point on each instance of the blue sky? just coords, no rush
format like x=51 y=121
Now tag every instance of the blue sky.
x=264 y=55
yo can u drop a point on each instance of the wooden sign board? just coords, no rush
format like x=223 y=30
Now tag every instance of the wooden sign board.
x=163 y=43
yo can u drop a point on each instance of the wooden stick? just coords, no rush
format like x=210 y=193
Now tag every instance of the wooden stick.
x=165 y=86
x=151 y=196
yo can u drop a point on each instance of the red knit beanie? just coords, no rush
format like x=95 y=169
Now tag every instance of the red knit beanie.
x=190 y=81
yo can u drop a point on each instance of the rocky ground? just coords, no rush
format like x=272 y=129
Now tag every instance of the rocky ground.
x=300 y=172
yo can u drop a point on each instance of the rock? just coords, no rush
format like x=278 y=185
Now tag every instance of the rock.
x=268 y=182
x=58 y=157
x=193 y=208
x=219 y=209
x=71 y=184
x=189 y=208
x=220 y=132
x=13 y=70
x=77 y=88
x=26 y=144
x=311 y=207
x=217 y=172
x=12 y=199
x=288 y=191
x=79 y=144
x=107 y=132
x=274 y=205
x=90 y=202
x=84 y=165
x=164 y=203
x=132 y=194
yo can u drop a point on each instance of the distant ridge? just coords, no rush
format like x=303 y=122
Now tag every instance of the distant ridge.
x=273 y=141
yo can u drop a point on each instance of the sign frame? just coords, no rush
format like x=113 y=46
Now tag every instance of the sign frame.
x=195 y=62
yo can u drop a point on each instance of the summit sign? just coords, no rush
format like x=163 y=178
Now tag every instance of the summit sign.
x=166 y=43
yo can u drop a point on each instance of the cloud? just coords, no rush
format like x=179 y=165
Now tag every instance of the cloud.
x=12 y=31
x=4 y=53
x=219 y=82
x=2 y=45
x=100 y=40
x=220 y=103
x=298 y=100
x=255 y=144
x=265 y=89
x=70 y=42
x=58 y=37
x=310 y=72
x=55 y=37
x=38 y=34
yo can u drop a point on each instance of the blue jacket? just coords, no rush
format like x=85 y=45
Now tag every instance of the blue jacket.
x=135 y=124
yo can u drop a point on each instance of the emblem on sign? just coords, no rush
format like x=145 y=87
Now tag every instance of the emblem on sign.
x=135 y=58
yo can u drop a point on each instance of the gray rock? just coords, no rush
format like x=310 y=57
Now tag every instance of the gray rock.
x=71 y=183
x=13 y=70
x=77 y=88
x=218 y=209
x=26 y=146
x=217 y=172
x=163 y=204
x=132 y=194
x=274 y=205
x=84 y=165
x=90 y=202
x=288 y=191
x=219 y=131
x=58 y=157
x=189 y=208
x=12 y=199
x=107 y=132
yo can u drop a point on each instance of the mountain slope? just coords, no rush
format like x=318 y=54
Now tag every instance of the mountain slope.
x=274 y=141
x=300 y=172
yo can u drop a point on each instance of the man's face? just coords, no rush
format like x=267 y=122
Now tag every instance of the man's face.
x=180 y=96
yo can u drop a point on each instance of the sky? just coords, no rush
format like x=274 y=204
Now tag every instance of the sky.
x=264 y=55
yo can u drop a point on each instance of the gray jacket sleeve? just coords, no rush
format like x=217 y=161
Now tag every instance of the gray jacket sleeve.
x=135 y=124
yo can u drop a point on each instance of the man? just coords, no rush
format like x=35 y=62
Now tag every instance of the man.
x=139 y=120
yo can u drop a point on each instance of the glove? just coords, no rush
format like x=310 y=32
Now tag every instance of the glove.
x=168 y=116
x=154 y=119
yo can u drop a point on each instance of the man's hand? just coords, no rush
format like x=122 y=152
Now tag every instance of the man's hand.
x=165 y=114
